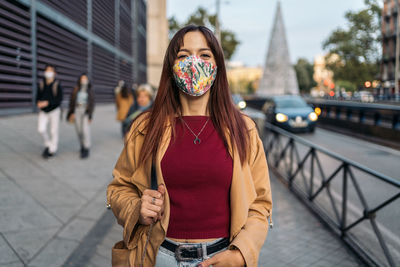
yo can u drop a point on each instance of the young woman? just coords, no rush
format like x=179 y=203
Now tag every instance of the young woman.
x=213 y=197
x=81 y=106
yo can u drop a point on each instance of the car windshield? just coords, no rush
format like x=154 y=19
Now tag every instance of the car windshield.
x=290 y=103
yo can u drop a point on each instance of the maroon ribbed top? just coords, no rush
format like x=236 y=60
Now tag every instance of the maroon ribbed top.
x=198 y=178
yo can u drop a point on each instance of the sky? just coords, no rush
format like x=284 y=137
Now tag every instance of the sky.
x=308 y=23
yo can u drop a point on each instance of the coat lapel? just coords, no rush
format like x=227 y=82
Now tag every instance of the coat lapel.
x=241 y=194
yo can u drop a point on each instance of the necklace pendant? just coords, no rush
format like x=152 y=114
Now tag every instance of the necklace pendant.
x=197 y=141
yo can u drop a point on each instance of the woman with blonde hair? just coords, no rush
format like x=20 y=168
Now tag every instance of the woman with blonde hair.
x=191 y=186
x=144 y=98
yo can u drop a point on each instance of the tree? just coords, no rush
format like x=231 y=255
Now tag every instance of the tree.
x=357 y=46
x=229 y=42
x=304 y=72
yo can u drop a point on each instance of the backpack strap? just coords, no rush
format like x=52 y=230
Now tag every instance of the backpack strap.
x=55 y=87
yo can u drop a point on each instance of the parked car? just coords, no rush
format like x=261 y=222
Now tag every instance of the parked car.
x=290 y=112
x=239 y=101
x=364 y=96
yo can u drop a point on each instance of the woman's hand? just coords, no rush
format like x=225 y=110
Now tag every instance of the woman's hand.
x=42 y=104
x=226 y=258
x=71 y=118
x=152 y=205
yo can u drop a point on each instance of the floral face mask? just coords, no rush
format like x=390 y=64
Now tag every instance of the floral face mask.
x=194 y=76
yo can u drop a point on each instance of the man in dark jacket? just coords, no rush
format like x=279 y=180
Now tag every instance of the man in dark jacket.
x=48 y=100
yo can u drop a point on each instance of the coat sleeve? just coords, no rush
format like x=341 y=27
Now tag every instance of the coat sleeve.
x=122 y=194
x=91 y=102
x=253 y=234
x=72 y=102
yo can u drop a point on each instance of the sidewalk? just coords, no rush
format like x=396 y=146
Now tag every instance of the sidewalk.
x=48 y=206
x=297 y=239
x=53 y=212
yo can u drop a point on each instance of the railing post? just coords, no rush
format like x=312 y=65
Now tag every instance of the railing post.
x=361 y=117
x=291 y=160
x=377 y=118
x=344 y=200
x=349 y=114
x=328 y=112
x=290 y=180
x=338 y=113
x=395 y=122
x=310 y=193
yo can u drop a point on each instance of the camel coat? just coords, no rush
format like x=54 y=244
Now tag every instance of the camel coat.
x=250 y=199
x=123 y=106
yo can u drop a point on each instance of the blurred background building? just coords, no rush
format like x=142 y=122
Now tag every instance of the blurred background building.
x=157 y=39
x=104 y=38
x=389 y=28
x=322 y=76
x=243 y=79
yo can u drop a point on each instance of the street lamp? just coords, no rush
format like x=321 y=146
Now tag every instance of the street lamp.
x=217 y=28
x=217 y=24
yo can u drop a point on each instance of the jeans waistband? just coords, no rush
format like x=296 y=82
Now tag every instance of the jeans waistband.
x=189 y=251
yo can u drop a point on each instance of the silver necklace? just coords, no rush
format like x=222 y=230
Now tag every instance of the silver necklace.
x=197 y=139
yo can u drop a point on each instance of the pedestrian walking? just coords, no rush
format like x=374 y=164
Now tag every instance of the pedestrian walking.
x=123 y=101
x=144 y=98
x=191 y=186
x=81 y=106
x=48 y=100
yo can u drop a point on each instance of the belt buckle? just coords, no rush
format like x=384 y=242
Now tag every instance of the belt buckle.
x=181 y=247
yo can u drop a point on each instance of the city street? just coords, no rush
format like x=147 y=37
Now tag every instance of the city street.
x=53 y=211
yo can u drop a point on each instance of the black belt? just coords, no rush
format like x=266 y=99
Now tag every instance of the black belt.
x=193 y=251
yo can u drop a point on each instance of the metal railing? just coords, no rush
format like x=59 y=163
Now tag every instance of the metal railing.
x=343 y=193
x=382 y=115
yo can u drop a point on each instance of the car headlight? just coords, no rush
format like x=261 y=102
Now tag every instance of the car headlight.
x=313 y=116
x=317 y=110
x=280 y=117
x=242 y=104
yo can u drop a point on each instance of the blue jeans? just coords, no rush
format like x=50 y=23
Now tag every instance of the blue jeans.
x=166 y=258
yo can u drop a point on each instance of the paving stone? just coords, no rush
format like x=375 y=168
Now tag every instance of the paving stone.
x=27 y=243
x=100 y=260
x=96 y=207
x=77 y=229
x=298 y=239
x=13 y=264
x=28 y=216
x=55 y=253
x=6 y=253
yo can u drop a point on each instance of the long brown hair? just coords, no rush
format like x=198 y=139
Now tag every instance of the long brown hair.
x=223 y=113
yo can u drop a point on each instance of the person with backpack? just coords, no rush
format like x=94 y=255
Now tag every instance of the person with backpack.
x=48 y=100
x=81 y=106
